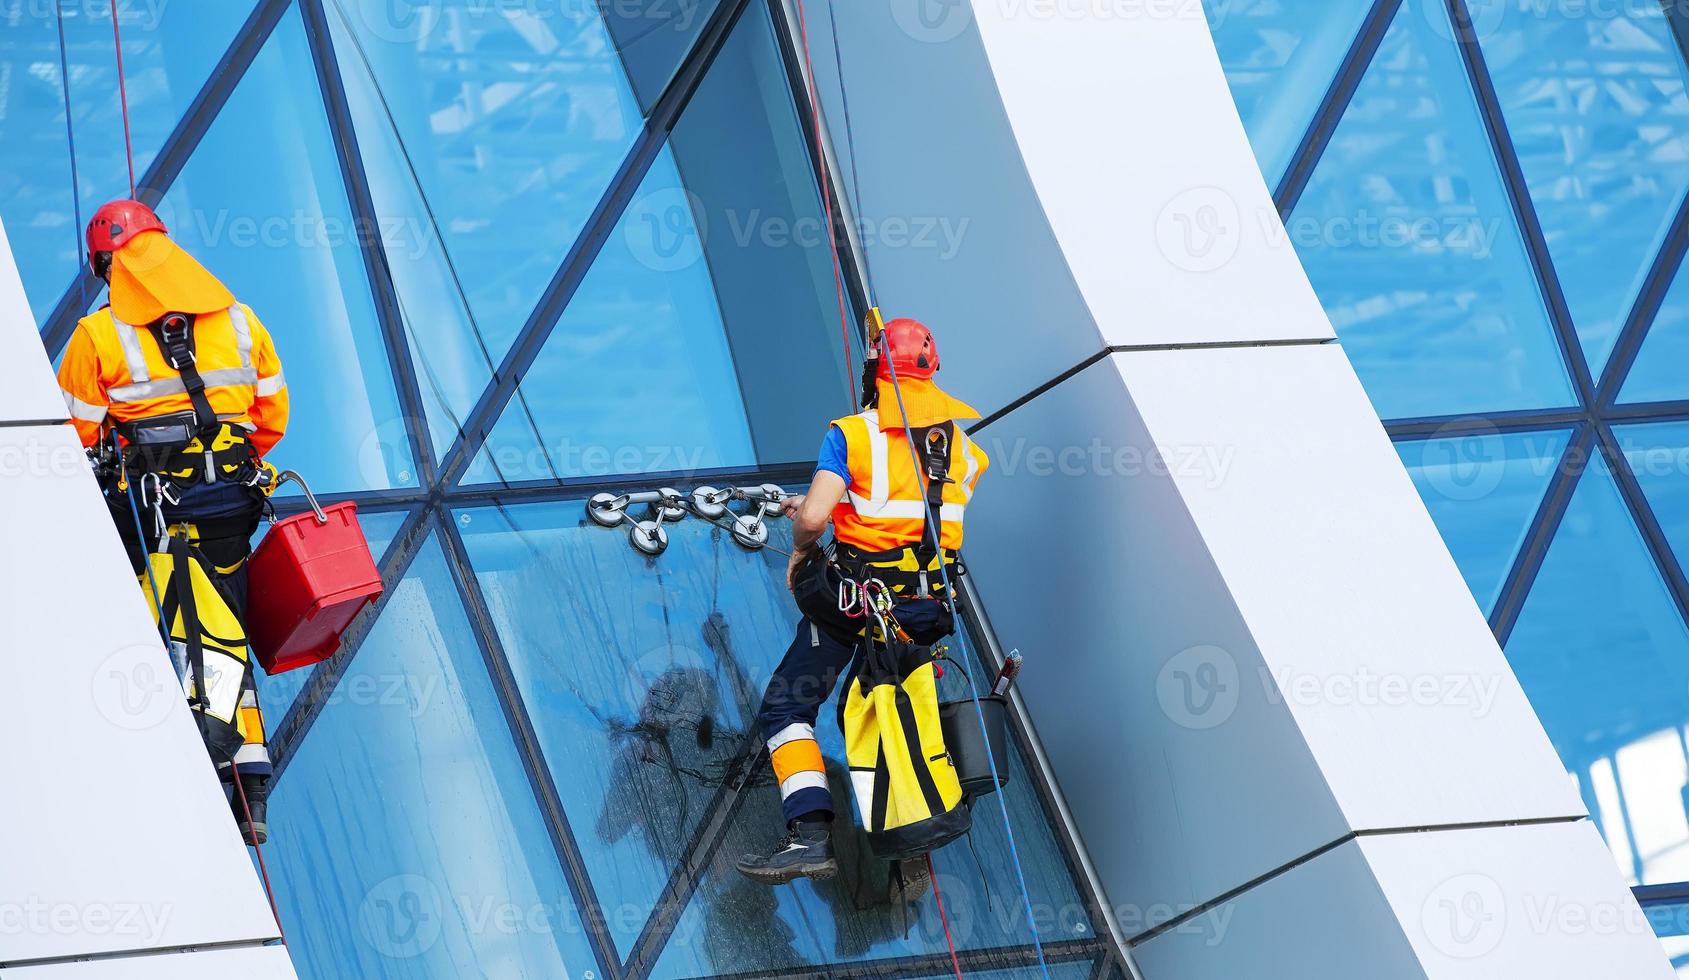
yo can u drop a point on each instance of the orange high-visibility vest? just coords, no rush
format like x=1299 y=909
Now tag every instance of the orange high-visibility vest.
x=116 y=370
x=886 y=507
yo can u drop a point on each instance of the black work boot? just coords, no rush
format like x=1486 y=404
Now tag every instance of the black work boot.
x=805 y=852
x=252 y=817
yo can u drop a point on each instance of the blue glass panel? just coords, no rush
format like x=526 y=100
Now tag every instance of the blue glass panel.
x=168 y=51
x=277 y=693
x=653 y=36
x=1604 y=657
x=640 y=685
x=1659 y=456
x=1483 y=492
x=262 y=205
x=1076 y=970
x=1658 y=374
x=733 y=925
x=515 y=118
x=1595 y=103
x=707 y=331
x=1408 y=236
x=1280 y=58
x=404 y=836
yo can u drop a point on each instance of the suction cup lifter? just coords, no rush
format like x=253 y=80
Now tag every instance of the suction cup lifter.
x=666 y=506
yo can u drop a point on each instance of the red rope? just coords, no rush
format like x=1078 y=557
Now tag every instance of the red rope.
x=123 y=97
x=943 y=917
x=263 y=872
x=827 y=207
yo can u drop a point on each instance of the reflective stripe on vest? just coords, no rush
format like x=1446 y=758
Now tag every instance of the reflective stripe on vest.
x=885 y=506
x=143 y=387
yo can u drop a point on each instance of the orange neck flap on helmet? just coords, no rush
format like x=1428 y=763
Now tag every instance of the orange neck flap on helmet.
x=925 y=402
x=151 y=276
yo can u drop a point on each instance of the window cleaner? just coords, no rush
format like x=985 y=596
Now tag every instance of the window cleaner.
x=178 y=392
x=875 y=606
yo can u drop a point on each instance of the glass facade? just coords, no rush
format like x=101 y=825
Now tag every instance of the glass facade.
x=1496 y=225
x=514 y=255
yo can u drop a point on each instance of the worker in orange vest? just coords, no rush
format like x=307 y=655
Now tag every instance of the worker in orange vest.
x=868 y=488
x=186 y=384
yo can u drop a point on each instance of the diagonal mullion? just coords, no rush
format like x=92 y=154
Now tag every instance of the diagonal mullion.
x=537 y=329
x=1519 y=195
x=528 y=747
x=370 y=244
x=1642 y=513
x=1649 y=300
x=1336 y=102
x=1677 y=15
x=309 y=704
x=1534 y=549
x=174 y=154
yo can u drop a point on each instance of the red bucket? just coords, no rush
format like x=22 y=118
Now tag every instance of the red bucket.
x=308 y=578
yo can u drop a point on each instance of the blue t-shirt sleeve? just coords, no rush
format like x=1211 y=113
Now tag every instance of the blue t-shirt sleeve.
x=835 y=454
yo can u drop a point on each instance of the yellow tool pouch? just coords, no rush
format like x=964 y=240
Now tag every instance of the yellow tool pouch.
x=207 y=640
x=904 y=780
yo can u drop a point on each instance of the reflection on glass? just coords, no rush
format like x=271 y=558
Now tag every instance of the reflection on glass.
x=1604 y=657
x=277 y=693
x=404 y=836
x=1280 y=57
x=262 y=205
x=641 y=675
x=1658 y=374
x=1408 y=236
x=653 y=36
x=706 y=332
x=516 y=117
x=1658 y=454
x=1595 y=103
x=168 y=52
x=1483 y=492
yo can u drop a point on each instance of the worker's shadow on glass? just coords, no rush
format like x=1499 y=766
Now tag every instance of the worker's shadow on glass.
x=679 y=758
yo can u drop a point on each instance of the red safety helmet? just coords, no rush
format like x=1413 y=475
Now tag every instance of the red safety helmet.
x=116 y=223
x=914 y=352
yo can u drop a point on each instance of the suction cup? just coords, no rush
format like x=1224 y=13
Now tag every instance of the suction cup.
x=706 y=506
x=750 y=531
x=649 y=537
x=771 y=506
x=606 y=510
x=672 y=507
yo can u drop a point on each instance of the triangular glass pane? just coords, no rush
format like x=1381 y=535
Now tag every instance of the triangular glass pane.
x=653 y=37
x=1604 y=657
x=706 y=333
x=404 y=834
x=1658 y=373
x=733 y=926
x=169 y=50
x=1406 y=233
x=1595 y=104
x=515 y=118
x=1657 y=454
x=261 y=203
x=1281 y=57
x=277 y=692
x=1483 y=491
x=641 y=694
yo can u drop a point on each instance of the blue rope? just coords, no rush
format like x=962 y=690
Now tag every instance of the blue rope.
x=70 y=140
x=973 y=690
